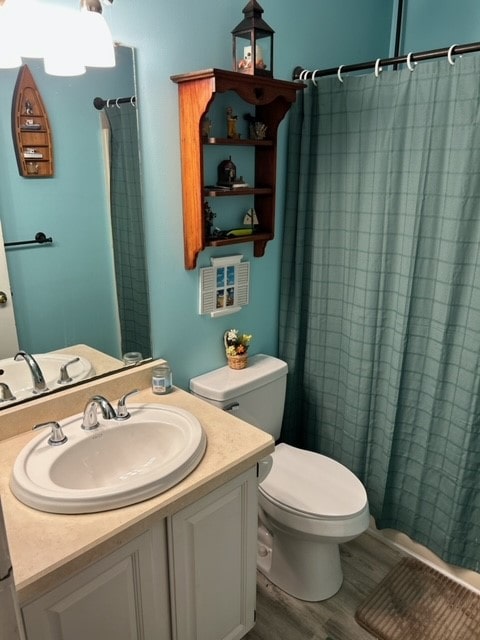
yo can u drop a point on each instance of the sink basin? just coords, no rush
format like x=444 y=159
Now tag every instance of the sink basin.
x=17 y=374
x=117 y=464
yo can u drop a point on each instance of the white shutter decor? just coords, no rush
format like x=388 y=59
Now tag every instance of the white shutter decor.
x=224 y=287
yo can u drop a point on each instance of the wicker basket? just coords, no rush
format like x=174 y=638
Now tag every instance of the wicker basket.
x=238 y=362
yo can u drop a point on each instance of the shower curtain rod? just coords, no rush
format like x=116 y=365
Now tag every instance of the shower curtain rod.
x=299 y=73
x=99 y=103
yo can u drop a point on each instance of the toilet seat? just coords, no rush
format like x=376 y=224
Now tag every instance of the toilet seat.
x=308 y=484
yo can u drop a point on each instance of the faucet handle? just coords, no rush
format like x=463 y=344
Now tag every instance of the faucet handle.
x=122 y=411
x=5 y=392
x=57 y=436
x=64 y=375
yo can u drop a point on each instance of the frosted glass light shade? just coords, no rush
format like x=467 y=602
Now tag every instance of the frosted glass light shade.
x=33 y=22
x=68 y=40
x=63 y=51
x=98 y=50
x=56 y=65
x=9 y=54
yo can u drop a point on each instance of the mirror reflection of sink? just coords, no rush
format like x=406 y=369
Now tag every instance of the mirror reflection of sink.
x=117 y=464
x=17 y=374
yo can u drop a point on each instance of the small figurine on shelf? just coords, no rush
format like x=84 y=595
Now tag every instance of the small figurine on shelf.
x=209 y=215
x=33 y=168
x=232 y=124
x=227 y=173
x=245 y=64
x=206 y=127
x=251 y=219
x=257 y=129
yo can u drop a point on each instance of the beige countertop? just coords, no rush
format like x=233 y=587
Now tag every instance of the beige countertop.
x=46 y=548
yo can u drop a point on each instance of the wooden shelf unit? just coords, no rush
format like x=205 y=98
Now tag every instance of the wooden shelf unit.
x=272 y=100
x=31 y=133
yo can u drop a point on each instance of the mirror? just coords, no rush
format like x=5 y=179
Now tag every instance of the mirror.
x=70 y=292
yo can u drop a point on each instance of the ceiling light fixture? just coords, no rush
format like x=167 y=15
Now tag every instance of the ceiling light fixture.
x=63 y=51
x=97 y=38
x=9 y=54
x=67 y=39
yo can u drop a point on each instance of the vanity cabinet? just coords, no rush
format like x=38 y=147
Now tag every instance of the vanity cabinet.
x=191 y=576
x=271 y=99
x=123 y=596
x=212 y=552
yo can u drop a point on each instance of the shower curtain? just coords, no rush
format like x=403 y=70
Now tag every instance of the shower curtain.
x=128 y=231
x=380 y=293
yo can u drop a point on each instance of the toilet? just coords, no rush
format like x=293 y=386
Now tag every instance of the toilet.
x=308 y=503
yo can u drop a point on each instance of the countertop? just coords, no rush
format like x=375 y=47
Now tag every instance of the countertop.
x=101 y=362
x=46 y=548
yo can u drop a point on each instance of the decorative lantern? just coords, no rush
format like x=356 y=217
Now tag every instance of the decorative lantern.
x=253 y=43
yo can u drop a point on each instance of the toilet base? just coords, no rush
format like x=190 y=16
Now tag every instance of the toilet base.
x=304 y=568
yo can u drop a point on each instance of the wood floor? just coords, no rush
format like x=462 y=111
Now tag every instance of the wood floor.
x=365 y=560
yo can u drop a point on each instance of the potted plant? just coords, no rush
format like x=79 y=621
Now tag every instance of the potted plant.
x=236 y=348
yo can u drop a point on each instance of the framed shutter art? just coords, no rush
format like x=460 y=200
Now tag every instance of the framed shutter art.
x=224 y=287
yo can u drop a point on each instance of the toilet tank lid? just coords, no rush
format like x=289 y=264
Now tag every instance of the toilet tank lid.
x=225 y=383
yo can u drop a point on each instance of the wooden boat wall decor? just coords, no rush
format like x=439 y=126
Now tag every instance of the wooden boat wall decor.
x=32 y=138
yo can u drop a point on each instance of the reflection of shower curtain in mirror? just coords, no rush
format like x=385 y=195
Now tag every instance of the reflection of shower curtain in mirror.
x=127 y=230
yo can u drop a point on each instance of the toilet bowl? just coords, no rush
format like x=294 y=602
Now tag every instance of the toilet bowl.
x=308 y=503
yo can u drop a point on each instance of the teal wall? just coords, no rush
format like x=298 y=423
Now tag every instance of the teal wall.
x=185 y=35
x=435 y=24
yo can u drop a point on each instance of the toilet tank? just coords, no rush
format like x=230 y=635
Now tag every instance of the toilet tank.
x=255 y=394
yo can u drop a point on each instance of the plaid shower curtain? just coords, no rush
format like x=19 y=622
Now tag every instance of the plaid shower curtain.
x=128 y=230
x=380 y=293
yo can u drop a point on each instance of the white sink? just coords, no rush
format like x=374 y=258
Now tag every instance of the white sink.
x=17 y=373
x=117 y=464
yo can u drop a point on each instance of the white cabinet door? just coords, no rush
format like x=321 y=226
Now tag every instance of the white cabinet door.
x=123 y=596
x=212 y=546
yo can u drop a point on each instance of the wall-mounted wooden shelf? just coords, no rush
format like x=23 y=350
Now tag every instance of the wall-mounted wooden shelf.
x=31 y=133
x=272 y=100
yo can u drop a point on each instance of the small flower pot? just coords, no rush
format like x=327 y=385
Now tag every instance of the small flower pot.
x=238 y=362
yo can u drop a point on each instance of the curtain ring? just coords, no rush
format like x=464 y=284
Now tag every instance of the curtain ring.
x=339 y=73
x=108 y=103
x=378 y=68
x=116 y=103
x=411 y=67
x=313 y=76
x=302 y=74
x=133 y=101
x=449 y=54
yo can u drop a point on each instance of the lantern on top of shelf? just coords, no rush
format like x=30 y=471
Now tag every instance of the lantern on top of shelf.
x=253 y=43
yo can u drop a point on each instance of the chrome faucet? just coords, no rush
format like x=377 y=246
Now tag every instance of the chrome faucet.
x=122 y=412
x=39 y=384
x=90 y=417
x=65 y=377
x=5 y=393
x=56 y=436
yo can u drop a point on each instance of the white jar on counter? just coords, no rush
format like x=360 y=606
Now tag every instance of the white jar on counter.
x=162 y=379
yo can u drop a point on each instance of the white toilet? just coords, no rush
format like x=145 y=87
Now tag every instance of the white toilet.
x=308 y=503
